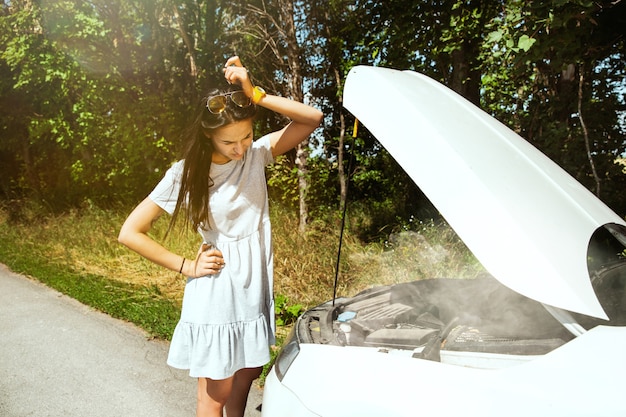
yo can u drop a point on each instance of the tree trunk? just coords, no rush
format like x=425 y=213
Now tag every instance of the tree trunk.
x=182 y=28
x=592 y=165
x=295 y=86
x=276 y=29
x=343 y=183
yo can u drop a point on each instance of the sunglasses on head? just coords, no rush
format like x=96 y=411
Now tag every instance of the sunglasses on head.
x=217 y=104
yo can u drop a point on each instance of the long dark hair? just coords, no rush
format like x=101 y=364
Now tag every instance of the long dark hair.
x=195 y=181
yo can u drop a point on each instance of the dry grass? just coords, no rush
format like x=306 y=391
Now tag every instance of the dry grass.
x=85 y=241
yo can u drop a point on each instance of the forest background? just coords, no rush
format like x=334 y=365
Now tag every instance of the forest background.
x=95 y=94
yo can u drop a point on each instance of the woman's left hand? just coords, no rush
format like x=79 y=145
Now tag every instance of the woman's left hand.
x=208 y=262
x=236 y=73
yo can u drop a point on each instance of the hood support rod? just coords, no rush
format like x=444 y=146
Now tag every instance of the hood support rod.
x=343 y=214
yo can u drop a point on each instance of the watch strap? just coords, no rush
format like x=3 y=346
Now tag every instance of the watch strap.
x=257 y=94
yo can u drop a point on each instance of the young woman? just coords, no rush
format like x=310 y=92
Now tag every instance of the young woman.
x=227 y=318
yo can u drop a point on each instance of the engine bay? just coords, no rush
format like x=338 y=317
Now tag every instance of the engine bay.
x=440 y=320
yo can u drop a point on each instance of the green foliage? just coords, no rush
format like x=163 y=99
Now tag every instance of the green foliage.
x=282 y=181
x=534 y=60
x=94 y=95
x=68 y=104
x=323 y=193
x=285 y=312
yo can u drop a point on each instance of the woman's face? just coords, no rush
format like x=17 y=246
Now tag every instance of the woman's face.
x=231 y=141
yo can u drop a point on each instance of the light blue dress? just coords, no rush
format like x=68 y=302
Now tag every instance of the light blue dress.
x=227 y=320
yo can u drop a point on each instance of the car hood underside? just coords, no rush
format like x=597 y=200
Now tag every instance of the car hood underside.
x=525 y=219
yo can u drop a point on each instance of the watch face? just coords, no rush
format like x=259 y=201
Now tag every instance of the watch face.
x=261 y=90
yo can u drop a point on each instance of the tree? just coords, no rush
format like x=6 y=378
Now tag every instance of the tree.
x=94 y=93
x=104 y=88
x=551 y=73
x=275 y=30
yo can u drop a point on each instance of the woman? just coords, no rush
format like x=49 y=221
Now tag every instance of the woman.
x=227 y=319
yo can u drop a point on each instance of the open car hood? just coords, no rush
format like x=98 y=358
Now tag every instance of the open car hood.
x=525 y=219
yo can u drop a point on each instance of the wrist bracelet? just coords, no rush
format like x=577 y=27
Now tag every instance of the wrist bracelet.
x=180 y=271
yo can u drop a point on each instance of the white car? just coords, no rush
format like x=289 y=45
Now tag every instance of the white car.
x=542 y=335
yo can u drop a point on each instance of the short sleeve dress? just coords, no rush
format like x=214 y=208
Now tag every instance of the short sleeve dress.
x=227 y=320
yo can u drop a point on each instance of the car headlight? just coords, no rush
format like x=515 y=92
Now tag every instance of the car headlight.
x=287 y=355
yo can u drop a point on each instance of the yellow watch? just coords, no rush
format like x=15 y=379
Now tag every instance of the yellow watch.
x=257 y=94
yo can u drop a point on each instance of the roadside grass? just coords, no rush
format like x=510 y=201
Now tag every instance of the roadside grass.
x=53 y=250
x=77 y=253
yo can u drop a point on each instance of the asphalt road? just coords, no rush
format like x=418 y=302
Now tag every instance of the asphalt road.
x=59 y=357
